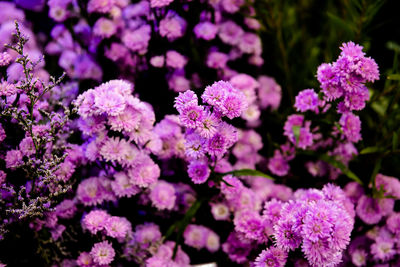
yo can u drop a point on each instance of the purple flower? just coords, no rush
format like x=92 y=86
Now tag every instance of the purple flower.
x=5 y=59
x=230 y=33
x=237 y=247
x=249 y=223
x=383 y=249
x=195 y=236
x=160 y=3
x=137 y=40
x=368 y=210
x=269 y=92
x=198 y=171
x=162 y=195
x=273 y=256
x=13 y=159
x=191 y=116
x=351 y=127
x=95 y=221
x=287 y=234
x=205 y=30
x=194 y=146
x=102 y=253
x=175 y=60
x=104 y=28
x=172 y=26
x=307 y=100
x=117 y=227
x=100 y=6
x=185 y=99
x=278 y=165
x=217 y=60
x=351 y=51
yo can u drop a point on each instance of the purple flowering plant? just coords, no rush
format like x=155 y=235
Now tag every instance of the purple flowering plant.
x=179 y=134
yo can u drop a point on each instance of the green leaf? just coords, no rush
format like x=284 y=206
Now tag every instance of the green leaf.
x=393 y=46
x=183 y=223
x=395 y=77
x=370 y=150
x=345 y=25
x=345 y=170
x=395 y=141
x=296 y=132
x=248 y=172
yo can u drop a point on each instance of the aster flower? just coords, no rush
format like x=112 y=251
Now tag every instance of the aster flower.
x=212 y=243
x=104 y=28
x=90 y=192
x=84 y=260
x=191 y=116
x=109 y=101
x=383 y=249
x=230 y=33
x=117 y=227
x=220 y=211
x=175 y=60
x=272 y=210
x=351 y=127
x=250 y=43
x=122 y=186
x=278 y=165
x=287 y=234
x=272 y=256
x=237 y=248
x=198 y=171
x=137 y=40
x=95 y=221
x=217 y=60
x=145 y=174
x=114 y=149
x=160 y=3
x=195 y=236
x=13 y=159
x=157 y=61
x=307 y=100
x=205 y=30
x=172 y=26
x=216 y=93
x=102 y=253
x=5 y=59
x=249 y=223
x=147 y=233
x=194 y=146
x=7 y=89
x=163 y=196
x=269 y=92
x=351 y=50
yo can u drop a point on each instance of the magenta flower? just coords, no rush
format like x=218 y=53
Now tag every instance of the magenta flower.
x=198 y=171
x=102 y=253
x=307 y=100
x=162 y=195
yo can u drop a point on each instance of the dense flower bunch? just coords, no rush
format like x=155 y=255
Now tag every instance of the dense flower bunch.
x=344 y=79
x=207 y=137
x=39 y=149
x=123 y=183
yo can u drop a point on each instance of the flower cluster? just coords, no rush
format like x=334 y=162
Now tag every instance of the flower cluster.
x=108 y=185
x=208 y=137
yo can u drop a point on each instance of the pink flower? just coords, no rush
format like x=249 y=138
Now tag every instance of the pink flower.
x=117 y=227
x=160 y=3
x=102 y=253
x=95 y=221
x=175 y=60
x=205 y=30
x=104 y=28
x=162 y=195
